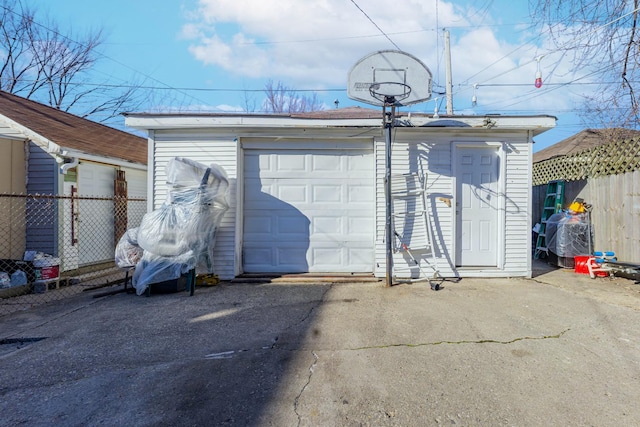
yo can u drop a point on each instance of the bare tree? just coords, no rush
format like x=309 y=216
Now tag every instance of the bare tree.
x=601 y=36
x=249 y=101
x=39 y=62
x=282 y=99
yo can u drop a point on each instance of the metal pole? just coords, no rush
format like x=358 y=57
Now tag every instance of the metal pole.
x=389 y=119
x=449 y=86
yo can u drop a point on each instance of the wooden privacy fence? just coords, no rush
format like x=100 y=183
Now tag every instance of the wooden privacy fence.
x=608 y=178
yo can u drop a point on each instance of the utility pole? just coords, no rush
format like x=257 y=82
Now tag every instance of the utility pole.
x=449 y=86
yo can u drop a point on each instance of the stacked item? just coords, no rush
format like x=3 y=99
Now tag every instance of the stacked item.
x=179 y=237
x=568 y=235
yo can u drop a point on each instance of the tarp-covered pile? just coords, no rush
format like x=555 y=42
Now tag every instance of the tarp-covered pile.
x=569 y=234
x=180 y=235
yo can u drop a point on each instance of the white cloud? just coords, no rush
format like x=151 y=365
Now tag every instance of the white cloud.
x=312 y=44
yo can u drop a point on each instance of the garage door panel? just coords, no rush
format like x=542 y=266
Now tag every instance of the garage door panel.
x=327 y=162
x=321 y=209
x=358 y=193
x=341 y=223
x=293 y=227
x=327 y=193
x=332 y=259
x=289 y=259
x=257 y=225
x=292 y=193
x=280 y=224
x=288 y=162
x=360 y=226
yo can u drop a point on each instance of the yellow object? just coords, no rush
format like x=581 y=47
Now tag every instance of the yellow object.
x=577 y=207
x=207 y=279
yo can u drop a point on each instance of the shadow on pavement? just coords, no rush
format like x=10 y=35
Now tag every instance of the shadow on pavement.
x=218 y=357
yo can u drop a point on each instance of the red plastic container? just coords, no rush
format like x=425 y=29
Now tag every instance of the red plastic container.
x=581 y=264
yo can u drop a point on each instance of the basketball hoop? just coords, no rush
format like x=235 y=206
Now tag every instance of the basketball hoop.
x=390 y=93
x=386 y=74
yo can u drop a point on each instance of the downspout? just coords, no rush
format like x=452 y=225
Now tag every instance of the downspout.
x=68 y=163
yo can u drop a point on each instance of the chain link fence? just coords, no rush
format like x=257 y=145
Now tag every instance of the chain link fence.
x=53 y=247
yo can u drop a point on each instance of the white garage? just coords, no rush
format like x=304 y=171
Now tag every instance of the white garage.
x=309 y=210
x=307 y=191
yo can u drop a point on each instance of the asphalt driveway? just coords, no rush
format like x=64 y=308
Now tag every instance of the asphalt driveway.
x=559 y=349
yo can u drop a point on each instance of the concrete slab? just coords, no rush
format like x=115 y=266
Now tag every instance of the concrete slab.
x=558 y=349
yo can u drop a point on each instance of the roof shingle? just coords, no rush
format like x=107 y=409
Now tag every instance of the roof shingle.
x=73 y=132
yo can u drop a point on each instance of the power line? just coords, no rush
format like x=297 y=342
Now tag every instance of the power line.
x=574 y=82
x=366 y=36
x=376 y=25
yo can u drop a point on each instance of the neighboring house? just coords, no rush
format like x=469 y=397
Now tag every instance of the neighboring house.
x=307 y=190
x=45 y=151
x=584 y=140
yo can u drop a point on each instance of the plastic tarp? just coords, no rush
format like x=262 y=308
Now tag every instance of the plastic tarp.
x=568 y=235
x=180 y=235
x=128 y=252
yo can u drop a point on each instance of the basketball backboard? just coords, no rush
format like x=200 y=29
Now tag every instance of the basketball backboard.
x=389 y=77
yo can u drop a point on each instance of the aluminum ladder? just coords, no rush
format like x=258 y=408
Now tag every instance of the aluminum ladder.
x=553 y=202
x=412 y=231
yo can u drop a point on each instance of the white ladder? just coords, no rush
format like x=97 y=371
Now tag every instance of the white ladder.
x=411 y=226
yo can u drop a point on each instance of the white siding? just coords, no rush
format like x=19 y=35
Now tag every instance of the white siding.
x=517 y=208
x=432 y=158
x=202 y=147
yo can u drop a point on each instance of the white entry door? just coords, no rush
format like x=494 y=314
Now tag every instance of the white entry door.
x=477 y=206
x=95 y=213
x=308 y=211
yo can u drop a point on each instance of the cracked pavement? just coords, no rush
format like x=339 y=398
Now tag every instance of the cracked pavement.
x=557 y=350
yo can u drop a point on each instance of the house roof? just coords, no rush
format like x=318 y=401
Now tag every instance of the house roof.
x=584 y=140
x=340 y=118
x=55 y=130
x=342 y=113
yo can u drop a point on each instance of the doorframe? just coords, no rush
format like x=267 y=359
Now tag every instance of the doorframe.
x=501 y=220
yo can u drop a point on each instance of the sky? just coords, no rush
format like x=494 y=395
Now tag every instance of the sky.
x=217 y=55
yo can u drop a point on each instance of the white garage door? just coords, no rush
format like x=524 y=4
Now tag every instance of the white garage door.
x=308 y=211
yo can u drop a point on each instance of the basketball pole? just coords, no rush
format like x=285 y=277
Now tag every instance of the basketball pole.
x=384 y=78
x=389 y=119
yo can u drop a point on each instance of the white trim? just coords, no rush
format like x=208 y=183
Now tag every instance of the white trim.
x=297 y=144
x=102 y=159
x=530 y=198
x=42 y=142
x=239 y=236
x=151 y=170
x=244 y=125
